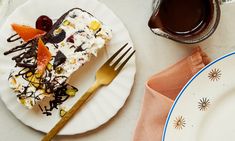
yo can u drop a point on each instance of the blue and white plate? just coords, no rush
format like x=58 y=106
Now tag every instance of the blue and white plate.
x=205 y=108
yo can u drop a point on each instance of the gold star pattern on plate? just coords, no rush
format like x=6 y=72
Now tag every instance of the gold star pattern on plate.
x=179 y=123
x=214 y=74
x=203 y=104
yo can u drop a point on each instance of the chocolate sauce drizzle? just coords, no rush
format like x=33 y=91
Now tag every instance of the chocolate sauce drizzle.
x=60 y=97
x=12 y=38
x=97 y=32
x=27 y=60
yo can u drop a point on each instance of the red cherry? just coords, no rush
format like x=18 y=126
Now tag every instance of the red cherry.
x=44 y=23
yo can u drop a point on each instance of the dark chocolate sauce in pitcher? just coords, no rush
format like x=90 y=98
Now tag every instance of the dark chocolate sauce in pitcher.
x=182 y=17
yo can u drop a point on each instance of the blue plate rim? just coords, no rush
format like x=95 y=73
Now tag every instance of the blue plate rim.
x=186 y=86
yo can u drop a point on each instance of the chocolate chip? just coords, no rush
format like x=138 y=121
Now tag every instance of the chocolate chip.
x=58 y=37
x=70 y=39
x=60 y=58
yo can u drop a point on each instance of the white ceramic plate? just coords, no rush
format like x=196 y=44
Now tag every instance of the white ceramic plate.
x=4 y=5
x=107 y=100
x=205 y=108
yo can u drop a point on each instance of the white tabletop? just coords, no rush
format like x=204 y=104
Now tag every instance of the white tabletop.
x=153 y=55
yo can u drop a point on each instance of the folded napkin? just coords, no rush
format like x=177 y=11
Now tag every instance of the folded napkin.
x=161 y=90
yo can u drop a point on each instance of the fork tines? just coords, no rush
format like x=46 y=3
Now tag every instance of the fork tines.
x=121 y=57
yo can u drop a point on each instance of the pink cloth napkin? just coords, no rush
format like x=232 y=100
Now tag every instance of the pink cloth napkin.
x=161 y=90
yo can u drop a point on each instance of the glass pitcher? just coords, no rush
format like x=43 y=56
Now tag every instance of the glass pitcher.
x=187 y=38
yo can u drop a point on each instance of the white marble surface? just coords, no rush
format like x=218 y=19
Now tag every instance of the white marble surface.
x=153 y=55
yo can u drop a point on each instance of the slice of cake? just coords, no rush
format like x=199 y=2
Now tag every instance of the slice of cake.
x=73 y=39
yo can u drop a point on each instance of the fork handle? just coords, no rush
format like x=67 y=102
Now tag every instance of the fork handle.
x=59 y=125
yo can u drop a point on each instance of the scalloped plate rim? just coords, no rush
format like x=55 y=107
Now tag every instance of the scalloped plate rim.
x=133 y=69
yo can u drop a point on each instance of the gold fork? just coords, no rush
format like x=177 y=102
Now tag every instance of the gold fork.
x=104 y=76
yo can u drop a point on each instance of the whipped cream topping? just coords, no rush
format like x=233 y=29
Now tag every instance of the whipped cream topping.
x=83 y=35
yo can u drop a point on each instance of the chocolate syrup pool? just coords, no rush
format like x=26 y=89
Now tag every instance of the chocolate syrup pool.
x=182 y=17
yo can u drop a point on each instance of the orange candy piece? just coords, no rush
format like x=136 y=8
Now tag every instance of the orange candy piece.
x=43 y=56
x=27 y=33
